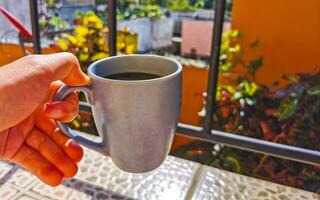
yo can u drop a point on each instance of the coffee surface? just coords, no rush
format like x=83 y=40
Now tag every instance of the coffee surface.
x=132 y=76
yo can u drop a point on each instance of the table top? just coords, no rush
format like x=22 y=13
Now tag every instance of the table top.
x=175 y=179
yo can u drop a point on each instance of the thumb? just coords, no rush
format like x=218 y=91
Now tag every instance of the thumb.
x=64 y=67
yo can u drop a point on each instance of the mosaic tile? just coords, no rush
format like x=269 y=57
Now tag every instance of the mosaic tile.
x=170 y=181
x=218 y=184
x=7 y=192
x=30 y=196
x=175 y=179
x=5 y=171
x=60 y=192
x=21 y=178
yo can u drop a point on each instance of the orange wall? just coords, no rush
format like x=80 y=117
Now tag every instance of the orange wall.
x=288 y=30
x=193 y=85
x=12 y=52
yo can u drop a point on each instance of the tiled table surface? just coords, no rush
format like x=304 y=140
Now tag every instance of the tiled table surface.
x=98 y=178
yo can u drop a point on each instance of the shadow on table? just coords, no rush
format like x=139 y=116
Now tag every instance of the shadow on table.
x=8 y=175
x=96 y=192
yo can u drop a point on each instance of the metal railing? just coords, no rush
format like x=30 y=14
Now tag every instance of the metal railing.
x=204 y=133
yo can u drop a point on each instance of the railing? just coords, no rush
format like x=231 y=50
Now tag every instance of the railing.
x=202 y=133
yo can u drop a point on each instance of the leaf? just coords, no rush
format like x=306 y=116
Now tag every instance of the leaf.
x=235 y=33
x=250 y=88
x=287 y=108
x=226 y=67
x=254 y=43
x=314 y=91
x=99 y=56
x=83 y=57
x=293 y=78
x=235 y=49
x=233 y=163
x=254 y=65
x=76 y=124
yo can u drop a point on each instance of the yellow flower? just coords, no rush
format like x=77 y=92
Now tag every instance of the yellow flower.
x=83 y=57
x=99 y=56
x=231 y=89
x=80 y=40
x=71 y=38
x=63 y=44
x=100 y=41
x=81 y=30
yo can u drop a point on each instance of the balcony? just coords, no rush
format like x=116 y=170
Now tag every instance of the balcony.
x=238 y=106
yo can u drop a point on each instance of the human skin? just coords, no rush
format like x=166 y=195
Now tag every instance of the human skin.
x=29 y=136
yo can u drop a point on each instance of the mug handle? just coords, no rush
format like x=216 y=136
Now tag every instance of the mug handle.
x=61 y=94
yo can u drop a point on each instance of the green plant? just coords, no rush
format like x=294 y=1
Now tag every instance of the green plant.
x=150 y=11
x=148 y=2
x=87 y=41
x=199 y=4
x=48 y=23
x=51 y=1
x=289 y=115
x=231 y=55
x=180 y=6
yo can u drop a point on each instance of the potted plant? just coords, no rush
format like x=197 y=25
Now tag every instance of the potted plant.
x=192 y=43
x=148 y=21
x=195 y=75
x=180 y=10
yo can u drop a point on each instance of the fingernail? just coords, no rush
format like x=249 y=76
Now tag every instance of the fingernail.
x=73 y=143
x=55 y=114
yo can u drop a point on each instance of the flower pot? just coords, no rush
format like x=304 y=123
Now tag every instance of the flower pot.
x=142 y=27
x=161 y=32
x=197 y=35
x=178 y=17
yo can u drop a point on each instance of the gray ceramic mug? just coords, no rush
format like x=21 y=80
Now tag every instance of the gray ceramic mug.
x=136 y=120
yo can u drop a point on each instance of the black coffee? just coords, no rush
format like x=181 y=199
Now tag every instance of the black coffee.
x=132 y=76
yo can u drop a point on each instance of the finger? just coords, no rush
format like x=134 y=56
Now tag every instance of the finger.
x=12 y=139
x=45 y=124
x=64 y=111
x=61 y=66
x=70 y=147
x=32 y=161
x=53 y=89
x=52 y=152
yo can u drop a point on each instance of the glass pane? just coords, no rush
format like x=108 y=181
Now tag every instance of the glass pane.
x=268 y=89
x=78 y=27
x=269 y=86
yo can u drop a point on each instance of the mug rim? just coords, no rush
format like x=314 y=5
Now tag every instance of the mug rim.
x=95 y=76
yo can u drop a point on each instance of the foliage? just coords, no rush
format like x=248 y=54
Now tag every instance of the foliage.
x=51 y=1
x=129 y=9
x=150 y=11
x=199 y=4
x=148 y=2
x=87 y=41
x=289 y=116
x=231 y=54
x=180 y=6
x=127 y=42
x=49 y=23
x=100 y=2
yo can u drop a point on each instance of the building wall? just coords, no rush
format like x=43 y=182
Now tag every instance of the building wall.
x=288 y=30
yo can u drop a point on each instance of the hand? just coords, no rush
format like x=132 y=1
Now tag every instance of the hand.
x=28 y=134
